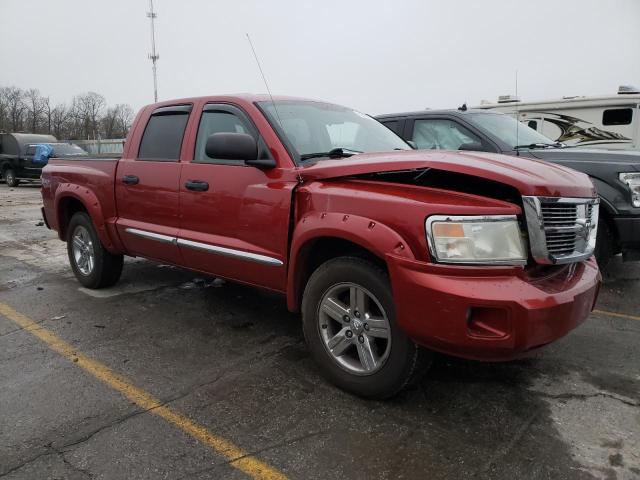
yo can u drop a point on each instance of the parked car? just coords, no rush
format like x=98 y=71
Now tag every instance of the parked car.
x=616 y=174
x=388 y=252
x=17 y=152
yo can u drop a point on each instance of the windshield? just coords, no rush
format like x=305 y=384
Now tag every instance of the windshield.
x=314 y=129
x=508 y=129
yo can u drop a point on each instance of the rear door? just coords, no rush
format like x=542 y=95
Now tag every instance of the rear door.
x=147 y=187
x=235 y=218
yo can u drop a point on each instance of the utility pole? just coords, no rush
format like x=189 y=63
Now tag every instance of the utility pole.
x=153 y=55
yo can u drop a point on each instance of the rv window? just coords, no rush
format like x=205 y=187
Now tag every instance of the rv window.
x=532 y=124
x=617 y=116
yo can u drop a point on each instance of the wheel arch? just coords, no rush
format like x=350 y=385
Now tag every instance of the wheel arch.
x=72 y=199
x=321 y=237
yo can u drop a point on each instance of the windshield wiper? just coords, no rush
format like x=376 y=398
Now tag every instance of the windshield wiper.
x=539 y=145
x=334 y=153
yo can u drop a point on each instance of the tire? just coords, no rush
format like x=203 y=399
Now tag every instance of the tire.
x=330 y=288
x=10 y=178
x=604 y=244
x=92 y=264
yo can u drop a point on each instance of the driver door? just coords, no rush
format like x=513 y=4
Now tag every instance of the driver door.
x=234 y=217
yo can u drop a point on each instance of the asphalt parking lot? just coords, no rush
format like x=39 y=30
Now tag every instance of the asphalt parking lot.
x=170 y=375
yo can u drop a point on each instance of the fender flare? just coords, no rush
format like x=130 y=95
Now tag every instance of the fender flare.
x=91 y=204
x=369 y=234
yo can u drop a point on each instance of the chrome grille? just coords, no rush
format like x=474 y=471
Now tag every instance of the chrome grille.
x=561 y=230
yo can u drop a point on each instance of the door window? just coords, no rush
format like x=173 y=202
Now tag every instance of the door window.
x=162 y=139
x=217 y=121
x=441 y=134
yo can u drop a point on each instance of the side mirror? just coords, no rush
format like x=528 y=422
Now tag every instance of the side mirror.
x=236 y=146
x=473 y=146
x=232 y=146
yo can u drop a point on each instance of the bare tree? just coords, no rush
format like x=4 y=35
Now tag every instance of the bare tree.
x=35 y=108
x=60 y=121
x=124 y=119
x=90 y=106
x=4 y=109
x=109 y=122
x=16 y=107
x=86 y=117
x=47 y=112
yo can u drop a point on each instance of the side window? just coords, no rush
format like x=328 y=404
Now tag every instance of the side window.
x=617 y=116
x=162 y=139
x=441 y=134
x=31 y=150
x=217 y=121
x=393 y=125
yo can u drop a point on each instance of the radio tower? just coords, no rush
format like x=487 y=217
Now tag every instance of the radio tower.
x=153 y=55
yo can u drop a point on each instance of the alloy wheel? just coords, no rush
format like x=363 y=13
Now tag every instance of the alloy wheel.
x=83 y=252
x=354 y=328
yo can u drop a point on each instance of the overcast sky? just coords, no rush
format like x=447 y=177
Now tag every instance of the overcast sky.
x=376 y=56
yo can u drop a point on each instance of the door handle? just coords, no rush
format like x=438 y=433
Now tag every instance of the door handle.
x=197 y=185
x=130 y=180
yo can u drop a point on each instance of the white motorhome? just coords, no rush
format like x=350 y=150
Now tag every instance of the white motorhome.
x=607 y=121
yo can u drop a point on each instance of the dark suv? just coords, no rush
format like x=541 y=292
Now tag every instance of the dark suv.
x=615 y=173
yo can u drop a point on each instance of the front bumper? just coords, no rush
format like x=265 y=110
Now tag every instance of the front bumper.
x=492 y=314
x=628 y=229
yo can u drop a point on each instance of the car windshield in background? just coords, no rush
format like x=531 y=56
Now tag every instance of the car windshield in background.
x=509 y=130
x=322 y=130
x=62 y=150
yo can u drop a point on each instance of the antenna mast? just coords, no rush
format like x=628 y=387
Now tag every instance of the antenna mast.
x=264 y=79
x=153 y=55
x=517 y=117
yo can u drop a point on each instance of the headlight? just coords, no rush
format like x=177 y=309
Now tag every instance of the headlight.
x=633 y=182
x=491 y=240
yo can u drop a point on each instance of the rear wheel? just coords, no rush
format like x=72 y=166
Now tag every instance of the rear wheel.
x=10 y=177
x=349 y=324
x=92 y=264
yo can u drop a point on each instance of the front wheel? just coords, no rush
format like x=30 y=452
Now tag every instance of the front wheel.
x=92 y=264
x=349 y=325
x=10 y=178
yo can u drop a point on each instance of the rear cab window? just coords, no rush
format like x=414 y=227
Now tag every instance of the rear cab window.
x=163 y=135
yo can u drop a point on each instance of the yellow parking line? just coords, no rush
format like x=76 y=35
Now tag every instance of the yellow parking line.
x=619 y=315
x=237 y=457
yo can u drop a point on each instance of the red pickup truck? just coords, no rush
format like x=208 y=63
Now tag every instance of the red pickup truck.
x=389 y=253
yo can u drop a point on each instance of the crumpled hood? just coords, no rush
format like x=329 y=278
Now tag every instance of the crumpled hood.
x=528 y=176
x=615 y=158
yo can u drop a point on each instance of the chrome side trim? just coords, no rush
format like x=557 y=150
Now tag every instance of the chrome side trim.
x=230 y=252
x=152 y=236
x=470 y=218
